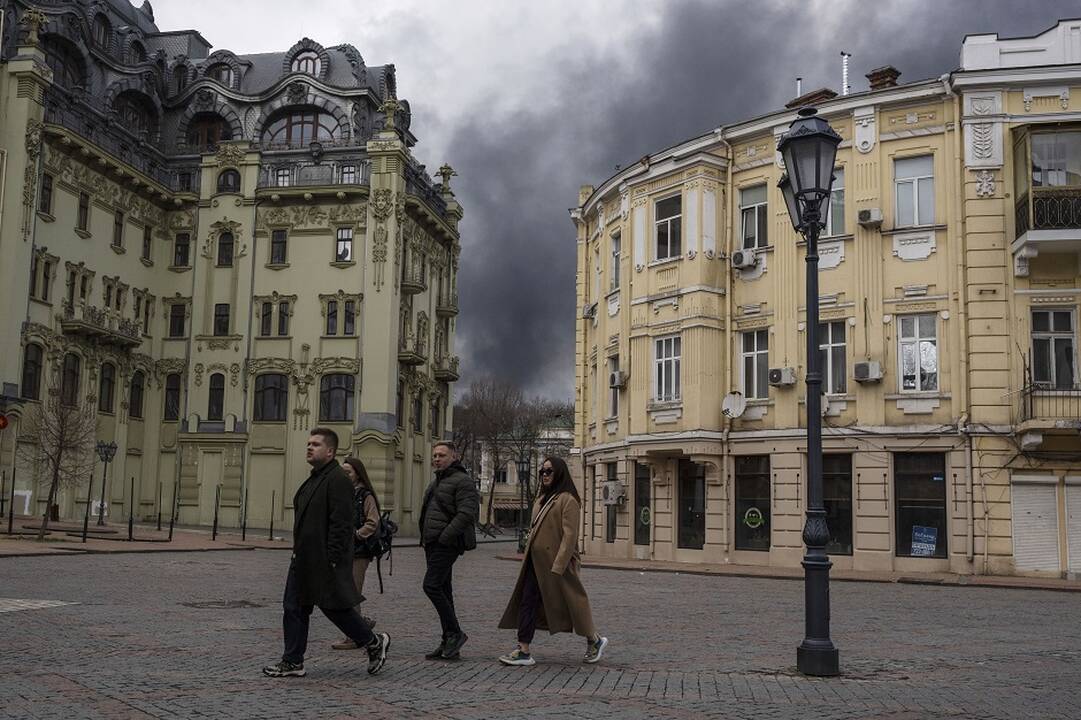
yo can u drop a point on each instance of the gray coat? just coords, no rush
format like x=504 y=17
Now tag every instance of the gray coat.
x=449 y=512
x=323 y=539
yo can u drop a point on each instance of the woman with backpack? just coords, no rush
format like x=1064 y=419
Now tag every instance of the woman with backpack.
x=365 y=524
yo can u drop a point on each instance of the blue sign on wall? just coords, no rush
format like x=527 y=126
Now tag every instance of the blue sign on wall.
x=924 y=540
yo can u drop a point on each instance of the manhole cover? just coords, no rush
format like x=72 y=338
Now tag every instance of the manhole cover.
x=222 y=604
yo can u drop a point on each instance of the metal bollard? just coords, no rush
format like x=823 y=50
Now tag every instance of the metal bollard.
x=217 y=502
x=131 y=511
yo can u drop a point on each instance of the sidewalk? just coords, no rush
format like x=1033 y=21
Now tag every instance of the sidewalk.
x=788 y=573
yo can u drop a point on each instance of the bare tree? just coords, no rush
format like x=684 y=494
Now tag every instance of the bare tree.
x=485 y=417
x=57 y=442
x=536 y=429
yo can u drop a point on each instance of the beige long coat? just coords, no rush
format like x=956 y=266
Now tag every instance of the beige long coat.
x=553 y=550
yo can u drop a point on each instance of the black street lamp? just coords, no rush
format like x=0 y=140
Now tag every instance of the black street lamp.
x=106 y=452
x=523 y=478
x=809 y=149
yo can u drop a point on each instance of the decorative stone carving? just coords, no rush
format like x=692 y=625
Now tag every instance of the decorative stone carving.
x=229 y=156
x=914 y=246
x=33 y=20
x=446 y=172
x=1062 y=92
x=1021 y=258
x=204 y=99
x=33 y=150
x=985 y=183
x=983 y=129
x=199 y=369
x=383 y=203
x=297 y=92
x=831 y=253
x=866 y=129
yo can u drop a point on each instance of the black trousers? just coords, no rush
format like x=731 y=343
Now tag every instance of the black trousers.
x=528 y=604
x=296 y=617
x=438 y=587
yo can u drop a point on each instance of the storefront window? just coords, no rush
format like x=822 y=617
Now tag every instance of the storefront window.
x=692 y=505
x=837 y=493
x=642 y=509
x=752 y=502
x=919 y=483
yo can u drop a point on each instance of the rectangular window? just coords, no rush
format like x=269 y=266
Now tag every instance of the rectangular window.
x=146 y=242
x=349 y=174
x=349 y=318
x=752 y=208
x=611 y=476
x=343 y=248
x=666 y=365
x=277 y=247
x=1056 y=159
x=835 y=209
x=71 y=287
x=283 y=318
x=120 y=294
x=281 y=177
x=914 y=179
x=919 y=482
x=138 y=305
x=332 y=317
x=146 y=315
x=435 y=430
x=752 y=502
x=613 y=273
x=598 y=271
x=668 y=225
x=918 y=353
x=221 y=319
x=84 y=287
x=832 y=360
x=108 y=294
x=1053 y=349
x=118 y=229
x=755 y=356
x=837 y=496
x=82 y=221
x=266 y=318
x=501 y=476
x=418 y=413
x=399 y=406
x=184 y=181
x=643 y=509
x=181 y=250
x=177 y=311
x=34 y=267
x=45 y=202
x=692 y=505
x=613 y=391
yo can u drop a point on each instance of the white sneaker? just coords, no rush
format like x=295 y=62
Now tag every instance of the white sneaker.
x=517 y=657
x=595 y=650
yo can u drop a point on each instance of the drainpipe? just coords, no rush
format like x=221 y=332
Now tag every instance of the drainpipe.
x=970 y=521
x=246 y=471
x=725 y=448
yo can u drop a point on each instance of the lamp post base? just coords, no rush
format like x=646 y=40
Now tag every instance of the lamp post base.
x=818 y=659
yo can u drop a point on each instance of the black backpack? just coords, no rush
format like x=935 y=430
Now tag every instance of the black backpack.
x=381 y=542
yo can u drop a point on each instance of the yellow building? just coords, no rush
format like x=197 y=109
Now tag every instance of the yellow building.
x=220 y=252
x=950 y=283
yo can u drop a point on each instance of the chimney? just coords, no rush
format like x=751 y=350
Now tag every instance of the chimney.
x=883 y=77
x=815 y=97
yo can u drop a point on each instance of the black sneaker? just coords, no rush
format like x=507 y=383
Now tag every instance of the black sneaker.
x=285 y=669
x=437 y=654
x=452 y=648
x=377 y=653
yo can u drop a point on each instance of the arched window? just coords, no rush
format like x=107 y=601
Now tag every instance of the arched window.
x=172 y=396
x=102 y=31
x=222 y=73
x=64 y=60
x=300 y=126
x=136 y=53
x=135 y=400
x=69 y=380
x=136 y=113
x=215 y=409
x=107 y=388
x=206 y=131
x=307 y=62
x=229 y=181
x=336 y=398
x=180 y=77
x=271 y=397
x=32 y=360
x=226 y=244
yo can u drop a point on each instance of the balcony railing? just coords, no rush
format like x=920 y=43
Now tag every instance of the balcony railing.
x=413 y=279
x=100 y=325
x=446 y=368
x=1049 y=208
x=412 y=350
x=312 y=174
x=447 y=304
x=420 y=184
x=1044 y=402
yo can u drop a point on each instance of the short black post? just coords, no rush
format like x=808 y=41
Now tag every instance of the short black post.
x=172 y=514
x=244 y=519
x=272 y=492
x=131 y=511
x=159 y=505
x=86 y=515
x=11 y=505
x=217 y=502
x=3 y=495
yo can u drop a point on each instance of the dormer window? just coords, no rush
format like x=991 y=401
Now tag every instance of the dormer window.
x=102 y=31
x=222 y=73
x=307 y=62
x=136 y=53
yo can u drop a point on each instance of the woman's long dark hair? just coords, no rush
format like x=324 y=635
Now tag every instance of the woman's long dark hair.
x=362 y=474
x=561 y=480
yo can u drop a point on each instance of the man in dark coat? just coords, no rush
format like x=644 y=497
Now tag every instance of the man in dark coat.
x=448 y=519
x=321 y=568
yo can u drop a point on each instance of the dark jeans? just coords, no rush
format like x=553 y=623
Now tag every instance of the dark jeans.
x=296 y=618
x=528 y=604
x=437 y=584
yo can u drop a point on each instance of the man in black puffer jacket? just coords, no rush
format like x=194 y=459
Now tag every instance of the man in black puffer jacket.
x=448 y=518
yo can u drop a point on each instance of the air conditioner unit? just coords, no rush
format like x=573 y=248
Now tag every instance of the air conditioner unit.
x=868 y=372
x=588 y=310
x=743 y=259
x=617 y=379
x=614 y=493
x=870 y=217
x=782 y=376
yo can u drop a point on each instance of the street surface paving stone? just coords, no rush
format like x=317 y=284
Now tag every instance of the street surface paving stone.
x=172 y=635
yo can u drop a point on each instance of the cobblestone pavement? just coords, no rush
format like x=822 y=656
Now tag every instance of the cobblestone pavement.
x=184 y=636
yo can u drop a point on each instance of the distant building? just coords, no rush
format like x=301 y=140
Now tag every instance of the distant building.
x=950 y=283
x=220 y=252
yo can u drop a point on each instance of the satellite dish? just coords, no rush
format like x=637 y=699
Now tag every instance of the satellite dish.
x=733 y=405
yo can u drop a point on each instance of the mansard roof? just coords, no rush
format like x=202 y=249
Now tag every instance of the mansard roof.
x=346 y=70
x=141 y=17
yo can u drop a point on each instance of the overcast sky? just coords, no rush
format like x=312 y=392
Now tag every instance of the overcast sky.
x=529 y=101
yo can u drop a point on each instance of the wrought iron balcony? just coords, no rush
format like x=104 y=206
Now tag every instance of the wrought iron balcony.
x=1049 y=208
x=102 y=326
x=412 y=350
x=446 y=368
x=413 y=280
x=1059 y=405
x=420 y=184
x=447 y=305
x=314 y=174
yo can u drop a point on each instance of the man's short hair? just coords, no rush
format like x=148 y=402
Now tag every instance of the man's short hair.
x=329 y=436
x=447 y=444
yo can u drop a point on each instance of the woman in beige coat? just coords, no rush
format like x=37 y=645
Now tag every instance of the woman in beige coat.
x=549 y=594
